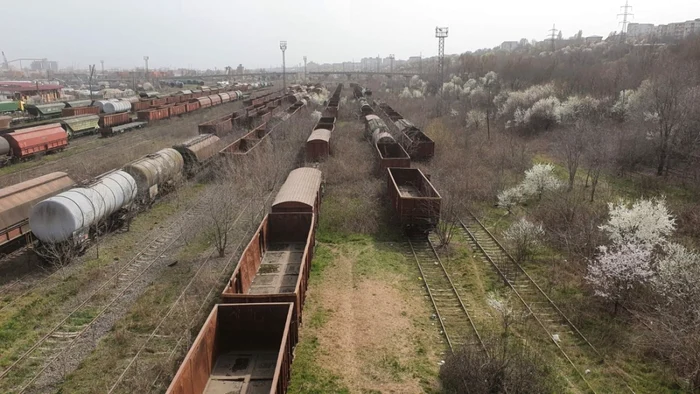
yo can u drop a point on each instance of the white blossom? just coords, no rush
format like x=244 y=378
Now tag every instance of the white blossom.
x=618 y=270
x=678 y=275
x=646 y=222
x=540 y=179
x=509 y=198
x=524 y=99
x=576 y=107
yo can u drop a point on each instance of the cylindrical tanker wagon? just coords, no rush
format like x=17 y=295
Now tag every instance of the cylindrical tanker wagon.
x=155 y=173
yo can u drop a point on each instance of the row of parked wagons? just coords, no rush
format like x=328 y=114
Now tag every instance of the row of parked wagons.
x=318 y=145
x=414 y=199
x=56 y=213
x=246 y=345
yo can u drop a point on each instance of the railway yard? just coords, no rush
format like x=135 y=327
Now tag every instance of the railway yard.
x=272 y=241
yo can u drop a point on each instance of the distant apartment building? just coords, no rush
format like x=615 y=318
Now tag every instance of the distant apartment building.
x=509 y=45
x=593 y=39
x=676 y=30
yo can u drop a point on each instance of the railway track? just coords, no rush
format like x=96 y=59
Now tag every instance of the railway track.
x=163 y=340
x=572 y=345
x=452 y=313
x=28 y=367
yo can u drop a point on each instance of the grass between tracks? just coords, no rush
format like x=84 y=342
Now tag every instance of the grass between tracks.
x=33 y=315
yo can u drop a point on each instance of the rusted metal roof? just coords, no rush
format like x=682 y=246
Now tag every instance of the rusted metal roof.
x=17 y=200
x=302 y=186
x=320 y=135
x=10 y=86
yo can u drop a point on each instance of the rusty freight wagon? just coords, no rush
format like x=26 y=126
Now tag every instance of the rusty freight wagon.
x=204 y=102
x=17 y=200
x=389 y=152
x=192 y=105
x=219 y=127
x=245 y=144
x=301 y=192
x=318 y=146
x=215 y=99
x=197 y=151
x=109 y=120
x=74 y=111
x=242 y=349
x=178 y=109
x=274 y=267
x=153 y=114
x=35 y=140
x=414 y=199
x=140 y=105
x=418 y=145
x=326 y=122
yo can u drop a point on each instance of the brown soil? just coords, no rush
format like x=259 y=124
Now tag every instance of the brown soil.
x=370 y=324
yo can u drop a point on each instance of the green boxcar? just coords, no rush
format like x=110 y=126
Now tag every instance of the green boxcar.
x=45 y=110
x=80 y=125
x=78 y=103
x=9 y=106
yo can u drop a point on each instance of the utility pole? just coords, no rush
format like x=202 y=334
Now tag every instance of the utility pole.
x=305 y=75
x=103 y=68
x=553 y=37
x=625 y=14
x=92 y=72
x=283 y=47
x=379 y=61
x=441 y=34
x=145 y=58
x=391 y=58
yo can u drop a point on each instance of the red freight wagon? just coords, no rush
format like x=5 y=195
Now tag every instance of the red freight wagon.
x=140 y=105
x=158 y=102
x=318 y=146
x=219 y=127
x=108 y=120
x=392 y=155
x=274 y=267
x=178 y=109
x=204 y=101
x=225 y=97
x=17 y=200
x=40 y=139
x=172 y=99
x=153 y=114
x=80 y=111
x=413 y=197
x=301 y=192
x=241 y=348
x=418 y=145
x=215 y=99
x=192 y=105
x=246 y=143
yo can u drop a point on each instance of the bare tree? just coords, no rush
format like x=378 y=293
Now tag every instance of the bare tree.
x=59 y=254
x=571 y=145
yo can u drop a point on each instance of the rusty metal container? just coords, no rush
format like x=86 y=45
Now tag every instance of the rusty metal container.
x=274 y=267
x=75 y=111
x=192 y=105
x=17 y=200
x=172 y=99
x=301 y=192
x=153 y=114
x=204 y=102
x=178 y=109
x=414 y=199
x=392 y=155
x=157 y=102
x=241 y=348
x=198 y=151
x=40 y=139
x=109 y=120
x=141 y=105
x=418 y=145
x=326 y=122
x=215 y=99
x=219 y=127
x=318 y=145
x=247 y=143
x=225 y=97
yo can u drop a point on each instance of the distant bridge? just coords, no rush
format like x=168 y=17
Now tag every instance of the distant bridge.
x=349 y=74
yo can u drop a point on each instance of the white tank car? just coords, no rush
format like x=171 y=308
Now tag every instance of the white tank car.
x=69 y=215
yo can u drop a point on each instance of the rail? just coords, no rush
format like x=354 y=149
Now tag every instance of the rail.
x=452 y=289
x=527 y=306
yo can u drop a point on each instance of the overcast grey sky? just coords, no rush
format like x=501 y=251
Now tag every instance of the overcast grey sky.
x=217 y=33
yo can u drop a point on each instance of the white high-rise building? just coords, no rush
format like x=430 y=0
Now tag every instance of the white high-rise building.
x=676 y=30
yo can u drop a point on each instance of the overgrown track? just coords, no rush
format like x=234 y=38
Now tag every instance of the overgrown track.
x=561 y=332
x=164 y=342
x=22 y=373
x=452 y=313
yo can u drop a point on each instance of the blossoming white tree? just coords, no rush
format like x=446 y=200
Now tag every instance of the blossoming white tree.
x=538 y=180
x=616 y=272
x=646 y=222
x=522 y=238
x=678 y=278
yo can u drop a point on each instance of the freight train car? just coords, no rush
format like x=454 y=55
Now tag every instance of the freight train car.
x=198 y=151
x=301 y=192
x=318 y=145
x=274 y=267
x=415 y=201
x=241 y=348
x=17 y=200
x=26 y=143
x=73 y=215
x=80 y=125
x=155 y=173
